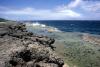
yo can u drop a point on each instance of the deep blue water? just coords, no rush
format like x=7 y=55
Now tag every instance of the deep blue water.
x=92 y=27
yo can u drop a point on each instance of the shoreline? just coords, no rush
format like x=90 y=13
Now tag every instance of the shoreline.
x=22 y=48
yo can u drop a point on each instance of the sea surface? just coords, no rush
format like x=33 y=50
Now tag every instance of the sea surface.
x=92 y=27
x=77 y=42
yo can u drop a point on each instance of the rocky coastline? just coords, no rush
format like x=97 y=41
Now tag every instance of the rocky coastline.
x=91 y=39
x=20 y=48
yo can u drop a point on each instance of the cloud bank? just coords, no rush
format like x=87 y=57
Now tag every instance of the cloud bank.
x=43 y=13
x=75 y=10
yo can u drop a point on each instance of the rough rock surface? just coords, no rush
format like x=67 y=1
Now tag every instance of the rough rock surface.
x=20 y=48
x=92 y=39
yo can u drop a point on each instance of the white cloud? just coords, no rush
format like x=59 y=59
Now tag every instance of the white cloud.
x=87 y=5
x=91 y=7
x=44 y=13
x=74 y=3
x=85 y=9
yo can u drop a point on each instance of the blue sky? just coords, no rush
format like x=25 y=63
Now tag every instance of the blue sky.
x=50 y=9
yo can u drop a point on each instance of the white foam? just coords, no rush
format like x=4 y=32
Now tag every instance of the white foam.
x=38 y=24
x=43 y=27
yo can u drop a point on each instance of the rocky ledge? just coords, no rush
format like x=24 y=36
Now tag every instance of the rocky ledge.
x=20 y=48
x=91 y=39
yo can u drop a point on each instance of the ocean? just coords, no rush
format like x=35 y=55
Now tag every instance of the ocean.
x=78 y=42
x=92 y=27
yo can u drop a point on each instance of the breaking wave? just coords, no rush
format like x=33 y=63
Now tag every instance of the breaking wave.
x=37 y=25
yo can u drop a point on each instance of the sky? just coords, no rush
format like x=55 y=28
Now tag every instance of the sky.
x=50 y=9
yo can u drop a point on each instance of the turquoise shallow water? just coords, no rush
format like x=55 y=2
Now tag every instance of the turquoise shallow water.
x=70 y=45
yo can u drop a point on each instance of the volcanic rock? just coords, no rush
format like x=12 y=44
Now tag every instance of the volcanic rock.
x=20 y=48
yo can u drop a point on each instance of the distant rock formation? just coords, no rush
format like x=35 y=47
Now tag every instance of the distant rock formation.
x=91 y=39
x=20 y=48
x=3 y=20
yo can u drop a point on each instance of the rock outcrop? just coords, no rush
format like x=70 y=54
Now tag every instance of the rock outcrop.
x=20 y=48
x=91 y=39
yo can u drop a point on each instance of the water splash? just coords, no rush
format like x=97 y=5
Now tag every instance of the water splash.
x=37 y=25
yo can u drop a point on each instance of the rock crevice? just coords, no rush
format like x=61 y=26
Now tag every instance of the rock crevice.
x=20 y=48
